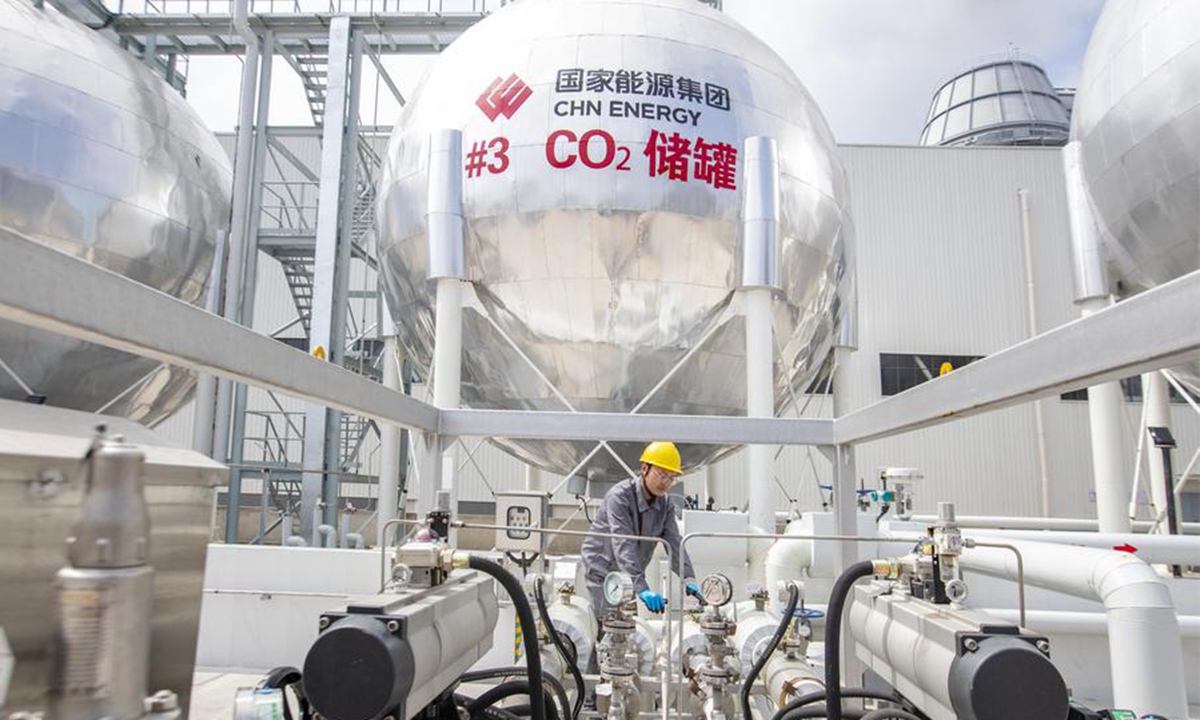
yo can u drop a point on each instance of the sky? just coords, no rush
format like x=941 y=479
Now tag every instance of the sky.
x=871 y=65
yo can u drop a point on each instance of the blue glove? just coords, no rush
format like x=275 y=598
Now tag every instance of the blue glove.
x=652 y=600
x=694 y=590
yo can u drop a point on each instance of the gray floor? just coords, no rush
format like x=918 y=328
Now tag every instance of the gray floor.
x=212 y=693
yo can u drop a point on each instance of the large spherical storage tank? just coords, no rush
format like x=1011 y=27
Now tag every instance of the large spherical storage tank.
x=602 y=188
x=101 y=159
x=1137 y=119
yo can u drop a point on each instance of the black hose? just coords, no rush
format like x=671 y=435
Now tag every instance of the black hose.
x=533 y=656
x=571 y=661
x=515 y=671
x=890 y=714
x=819 y=695
x=788 y=615
x=818 y=711
x=494 y=713
x=833 y=633
x=503 y=691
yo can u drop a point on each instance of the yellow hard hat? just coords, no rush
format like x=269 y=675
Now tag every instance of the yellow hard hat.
x=664 y=455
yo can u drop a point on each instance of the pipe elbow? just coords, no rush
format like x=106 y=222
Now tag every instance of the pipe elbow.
x=1124 y=581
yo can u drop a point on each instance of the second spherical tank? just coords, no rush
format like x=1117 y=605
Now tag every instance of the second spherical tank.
x=1137 y=119
x=100 y=159
x=602 y=188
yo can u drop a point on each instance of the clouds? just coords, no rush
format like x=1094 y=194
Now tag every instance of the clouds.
x=873 y=65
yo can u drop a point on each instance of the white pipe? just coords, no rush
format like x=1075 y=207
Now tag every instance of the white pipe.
x=328 y=535
x=1039 y=523
x=535 y=479
x=788 y=678
x=1105 y=408
x=446 y=253
x=1156 y=396
x=788 y=560
x=760 y=402
x=1080 y=623
x=389 y=437
x=1039 y=416
x=447 y=363
x=759 y=277
x=1161 y=549
x=1143 y=633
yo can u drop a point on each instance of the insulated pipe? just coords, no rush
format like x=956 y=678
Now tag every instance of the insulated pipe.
x=760 y=277
x=1040 y=523
x=788 y=560
x=790 y=677
x=1143 y=633
x=1087 y=260
x=328 y=535
x=344 y=529
x=389 y=434
x=447 y=266
x=1105 y=406
x=1162 y=549
x=1080 y=623
x=1105 y=419
x=785 y=620
x=1156 y=396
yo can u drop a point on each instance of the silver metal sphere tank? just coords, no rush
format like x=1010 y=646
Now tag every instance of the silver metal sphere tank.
x=1136 y=120
x=602 y=185
x=99 y=158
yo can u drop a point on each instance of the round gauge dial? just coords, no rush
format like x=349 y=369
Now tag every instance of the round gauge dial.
x=716 y=589
x=618 y=588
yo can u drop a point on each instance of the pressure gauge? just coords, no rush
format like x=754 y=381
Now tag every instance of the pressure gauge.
x=716 y=589
x=618 y=588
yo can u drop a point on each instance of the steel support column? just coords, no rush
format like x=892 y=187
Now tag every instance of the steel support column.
x=325 y=308
x=245 y=314
x=235 y=277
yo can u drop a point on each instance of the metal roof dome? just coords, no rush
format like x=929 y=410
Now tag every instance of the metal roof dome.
x=1000 y=101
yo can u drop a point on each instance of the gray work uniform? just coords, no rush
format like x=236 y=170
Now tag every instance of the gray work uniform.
x=626 y=511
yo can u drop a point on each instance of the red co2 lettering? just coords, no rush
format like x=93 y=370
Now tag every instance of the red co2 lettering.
x=596 y=149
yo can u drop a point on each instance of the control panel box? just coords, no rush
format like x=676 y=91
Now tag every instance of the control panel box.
x=516 y=510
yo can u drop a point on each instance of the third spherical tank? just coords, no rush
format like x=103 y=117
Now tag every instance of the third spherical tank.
x=602 y=185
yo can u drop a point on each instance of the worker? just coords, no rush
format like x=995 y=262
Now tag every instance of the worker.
x=637 y=506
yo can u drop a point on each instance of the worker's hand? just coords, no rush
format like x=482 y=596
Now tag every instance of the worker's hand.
x=693 y=589
x=652 y=600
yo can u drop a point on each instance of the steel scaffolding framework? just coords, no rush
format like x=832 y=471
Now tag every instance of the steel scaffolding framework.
x=1151 y=331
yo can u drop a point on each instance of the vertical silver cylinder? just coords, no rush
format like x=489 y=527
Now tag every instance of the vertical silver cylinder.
x=760 y=214
x=1087 y=262
x=444 y=217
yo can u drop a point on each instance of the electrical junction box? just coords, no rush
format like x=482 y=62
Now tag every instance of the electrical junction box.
x=516 y=510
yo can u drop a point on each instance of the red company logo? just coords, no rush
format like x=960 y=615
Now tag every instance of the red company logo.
x=503 y=97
